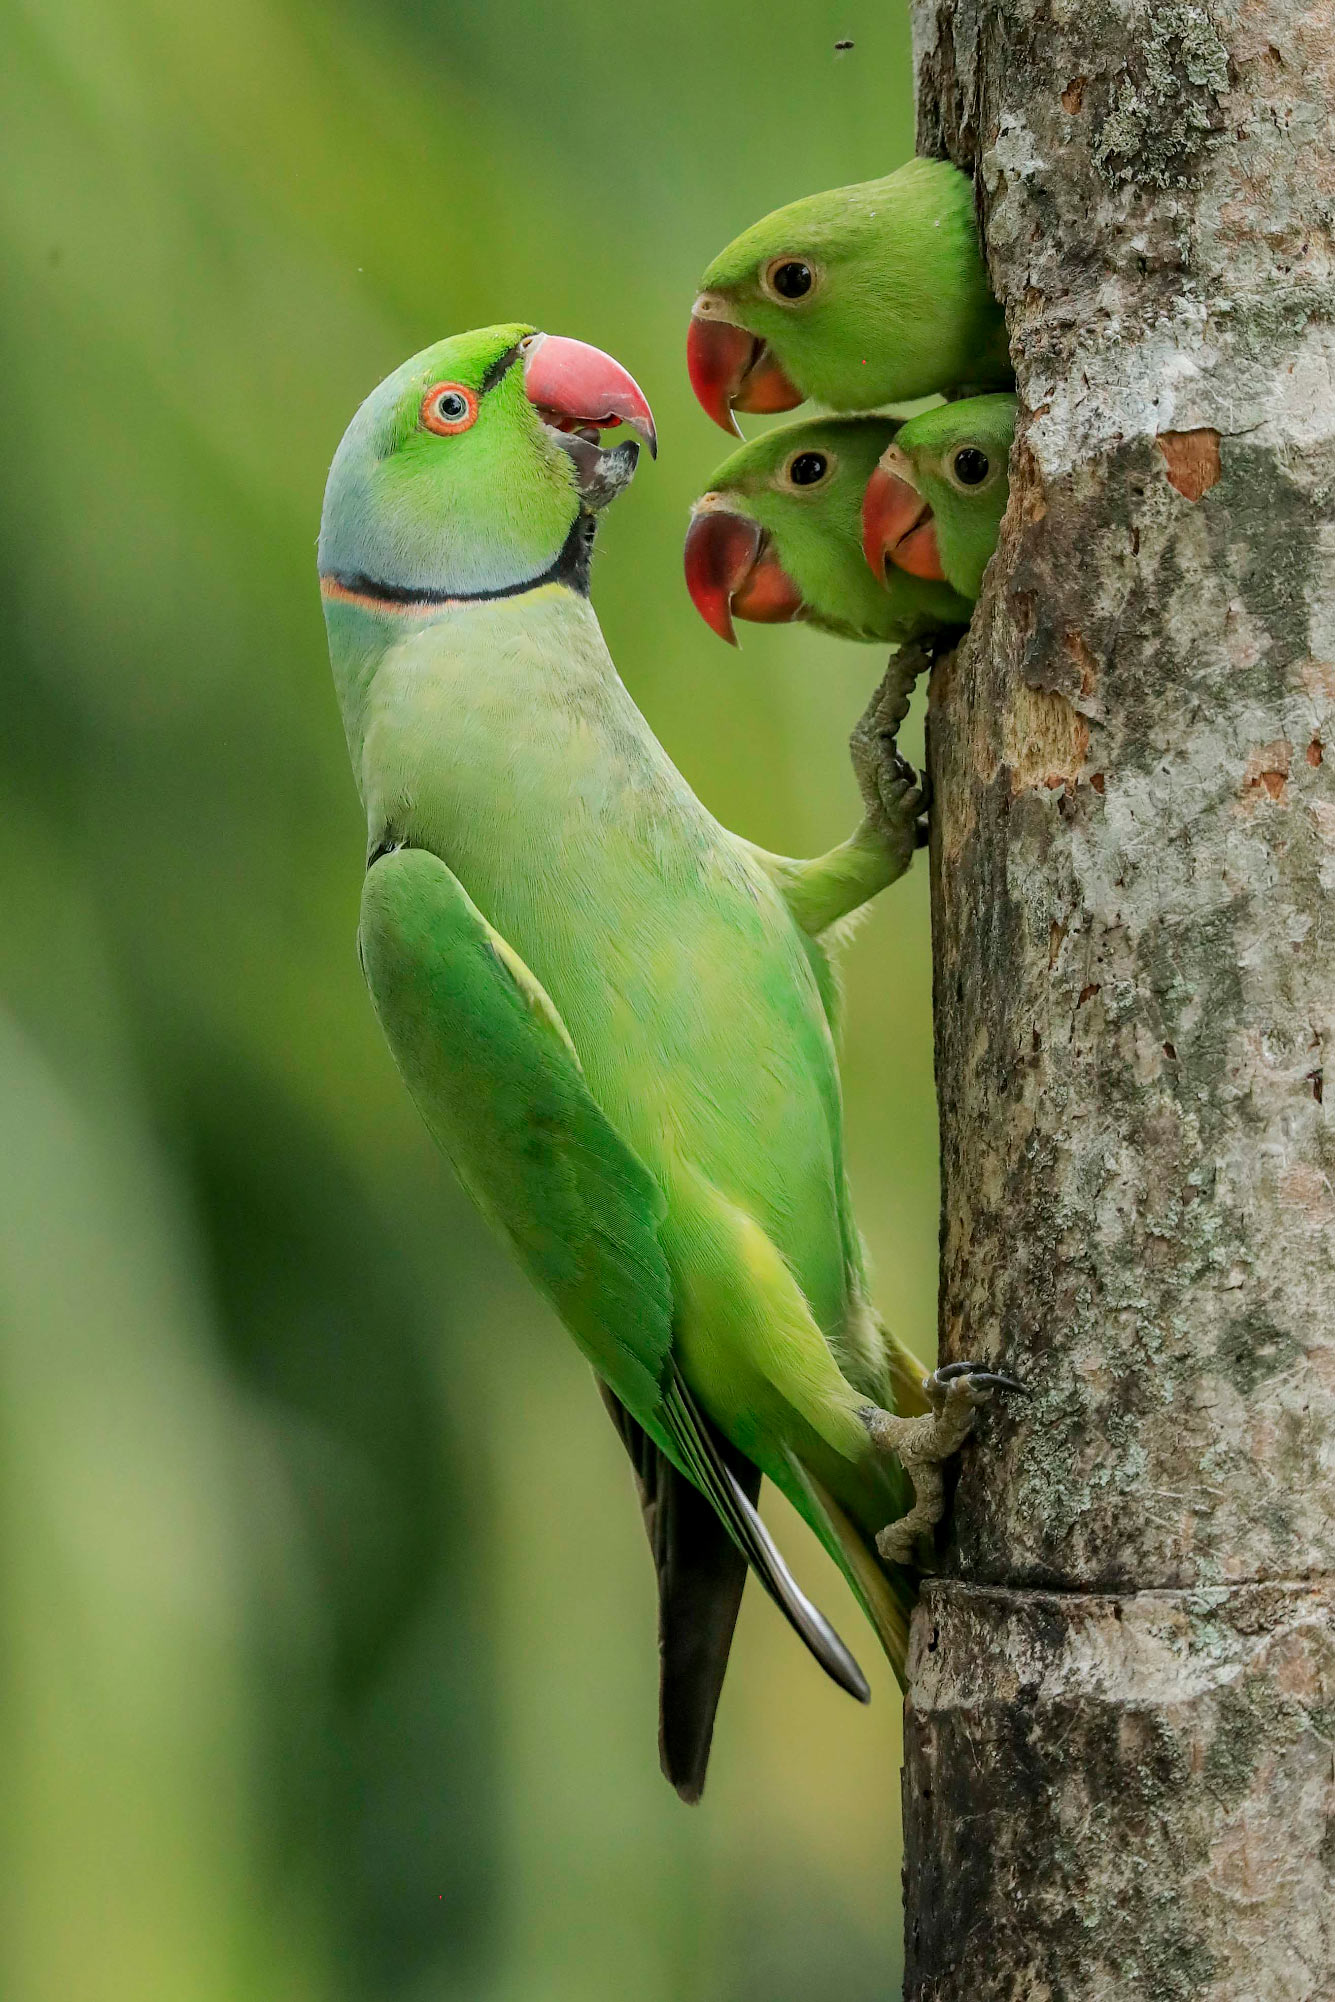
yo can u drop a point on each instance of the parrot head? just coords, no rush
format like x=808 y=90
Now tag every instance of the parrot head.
x=860 y=296
x=476 y=469
x=933 y=506
x=778 y=535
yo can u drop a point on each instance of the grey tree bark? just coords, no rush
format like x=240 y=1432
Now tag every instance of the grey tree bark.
x=1120 y=1769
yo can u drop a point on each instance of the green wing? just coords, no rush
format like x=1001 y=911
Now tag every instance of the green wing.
x=491 y=1068
x=493 y=1072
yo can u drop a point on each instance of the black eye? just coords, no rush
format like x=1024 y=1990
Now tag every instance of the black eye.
x=792 y=279
x=807 y=468
x=452 y=406
x=971 y=466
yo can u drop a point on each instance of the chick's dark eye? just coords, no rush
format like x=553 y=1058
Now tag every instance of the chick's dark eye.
x=792 y=279
x=451 y=406
x=807 y=468
x=971 y=466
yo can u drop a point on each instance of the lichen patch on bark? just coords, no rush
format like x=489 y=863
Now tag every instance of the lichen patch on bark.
x=1164 y=100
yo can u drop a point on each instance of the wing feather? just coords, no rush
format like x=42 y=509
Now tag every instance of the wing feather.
x=495 y=1075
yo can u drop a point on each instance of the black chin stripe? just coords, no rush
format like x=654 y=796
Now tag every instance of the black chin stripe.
x=570 y=567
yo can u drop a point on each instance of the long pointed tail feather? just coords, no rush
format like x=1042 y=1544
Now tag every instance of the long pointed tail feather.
x=700 y=1574
x=742 y=1519
x=886 y=1597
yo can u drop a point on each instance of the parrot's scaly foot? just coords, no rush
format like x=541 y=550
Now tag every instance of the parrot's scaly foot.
x=895 y=797
x=923 y=1445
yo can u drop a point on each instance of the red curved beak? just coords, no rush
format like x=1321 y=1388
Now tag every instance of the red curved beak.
x=897 y=525
x=730 y=569
x=574 y=384
x=732 y=370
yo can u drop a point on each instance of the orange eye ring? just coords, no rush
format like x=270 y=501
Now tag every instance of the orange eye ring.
x=449 y=408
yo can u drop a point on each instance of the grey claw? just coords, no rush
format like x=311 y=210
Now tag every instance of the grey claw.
x=983 y=1377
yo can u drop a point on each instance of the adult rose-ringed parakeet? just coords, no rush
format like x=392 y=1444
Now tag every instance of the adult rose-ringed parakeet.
x=933 y=506
x=778 y=536
x=614 y=1015
x=861 y=296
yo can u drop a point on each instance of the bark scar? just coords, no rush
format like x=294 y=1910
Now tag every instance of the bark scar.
x=1045 y=741
x=1267 y=774
x=1192 y=459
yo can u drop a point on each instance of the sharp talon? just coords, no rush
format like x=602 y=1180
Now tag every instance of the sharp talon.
x=954 y=1392
x=984 y=1377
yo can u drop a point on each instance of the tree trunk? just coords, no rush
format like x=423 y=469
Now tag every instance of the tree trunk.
x=1120 y=1768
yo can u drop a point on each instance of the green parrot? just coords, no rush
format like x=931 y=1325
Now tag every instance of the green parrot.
x=778 y=536
x=933 y=507
x=858 y=297
x=614 y=1016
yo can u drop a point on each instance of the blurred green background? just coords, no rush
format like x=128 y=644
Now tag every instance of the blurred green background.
x=327 y=1642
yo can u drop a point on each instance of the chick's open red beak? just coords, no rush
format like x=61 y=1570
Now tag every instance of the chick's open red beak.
x=898 y=528
x=575 y=385
x=730 y=569
x=731 y=369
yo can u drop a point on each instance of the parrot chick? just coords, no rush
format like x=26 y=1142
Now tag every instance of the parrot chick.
x=858 y=297
x=933 y=506
x=778 y=536
x=615 y=1017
